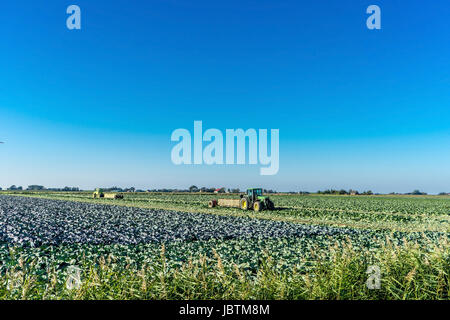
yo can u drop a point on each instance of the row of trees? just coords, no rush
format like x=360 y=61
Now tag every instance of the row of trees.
x=228 y=190
x=118 y=189
x=342 y=191
x=415 y=193
x=369 y=192
x=35 y=187
x=194 y=188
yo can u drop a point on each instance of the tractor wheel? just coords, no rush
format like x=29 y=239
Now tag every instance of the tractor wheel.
x=244 y=204
x=257 y=206
x=212 y=203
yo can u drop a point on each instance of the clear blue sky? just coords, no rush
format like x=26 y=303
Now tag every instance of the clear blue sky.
x=355 y=108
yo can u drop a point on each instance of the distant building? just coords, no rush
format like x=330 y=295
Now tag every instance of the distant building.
x=219 y=190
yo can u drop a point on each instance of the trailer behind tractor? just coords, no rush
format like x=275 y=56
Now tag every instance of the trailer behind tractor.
x=98 y=193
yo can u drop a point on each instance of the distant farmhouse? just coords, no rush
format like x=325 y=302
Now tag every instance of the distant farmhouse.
x=220 y=190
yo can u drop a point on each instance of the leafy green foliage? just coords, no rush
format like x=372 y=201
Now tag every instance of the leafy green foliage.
x=407 y=237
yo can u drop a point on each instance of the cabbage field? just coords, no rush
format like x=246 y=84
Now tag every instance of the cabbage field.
x=172 y=246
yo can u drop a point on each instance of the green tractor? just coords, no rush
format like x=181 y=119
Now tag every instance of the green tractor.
x=254 y=199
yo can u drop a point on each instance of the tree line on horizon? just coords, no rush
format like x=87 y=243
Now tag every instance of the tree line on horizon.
x=40 y=188
x=195 y=189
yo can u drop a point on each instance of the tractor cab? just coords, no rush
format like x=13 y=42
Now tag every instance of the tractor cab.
x=254 y=194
